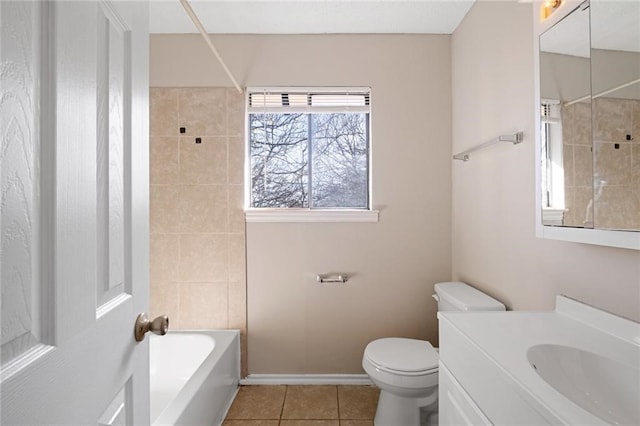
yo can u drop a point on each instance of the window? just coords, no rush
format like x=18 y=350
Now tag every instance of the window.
x=309 y=149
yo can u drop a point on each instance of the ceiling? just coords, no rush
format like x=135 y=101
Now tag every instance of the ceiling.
x=311 y=16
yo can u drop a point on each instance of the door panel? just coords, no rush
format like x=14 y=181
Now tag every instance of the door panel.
x=75 y=232
x=20 y=176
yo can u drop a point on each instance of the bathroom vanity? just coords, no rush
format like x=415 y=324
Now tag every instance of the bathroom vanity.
x=573 y=365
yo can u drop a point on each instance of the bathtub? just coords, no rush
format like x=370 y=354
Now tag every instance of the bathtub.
x=194 y=376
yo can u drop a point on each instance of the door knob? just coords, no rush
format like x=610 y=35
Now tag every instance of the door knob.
x=159 y=326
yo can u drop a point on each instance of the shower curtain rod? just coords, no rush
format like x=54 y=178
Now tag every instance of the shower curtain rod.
x=606 y=92
x=207 y=39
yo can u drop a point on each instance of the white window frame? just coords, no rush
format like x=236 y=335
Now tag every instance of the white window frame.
x=305 y=214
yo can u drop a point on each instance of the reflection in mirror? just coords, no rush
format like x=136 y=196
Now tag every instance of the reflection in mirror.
x=565 y=90
x=615 y=68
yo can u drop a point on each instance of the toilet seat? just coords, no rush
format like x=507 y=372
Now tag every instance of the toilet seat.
x=401 y=356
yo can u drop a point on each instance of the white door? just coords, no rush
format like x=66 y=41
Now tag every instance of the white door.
x=74 y=216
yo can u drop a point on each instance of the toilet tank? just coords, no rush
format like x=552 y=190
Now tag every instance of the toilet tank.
x=459 y=296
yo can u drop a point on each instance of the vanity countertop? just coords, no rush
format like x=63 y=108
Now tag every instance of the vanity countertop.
x=505 y=337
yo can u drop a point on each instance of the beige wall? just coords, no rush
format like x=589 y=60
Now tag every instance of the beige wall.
x=197 y=242
x=494 y=243
x=295 y=324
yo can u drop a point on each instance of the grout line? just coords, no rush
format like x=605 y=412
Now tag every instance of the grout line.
x=338 y=402
x=284 y=400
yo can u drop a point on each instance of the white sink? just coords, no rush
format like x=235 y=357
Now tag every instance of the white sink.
x=604 y=387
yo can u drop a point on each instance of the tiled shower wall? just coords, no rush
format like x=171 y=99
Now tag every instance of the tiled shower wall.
x=614 y=168
x=197 y=242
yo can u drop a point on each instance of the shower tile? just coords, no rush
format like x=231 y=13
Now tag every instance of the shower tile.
x=576 y=124
x=237 y=305
x=203 y=305
x=163 y=256
x=235 y=112
x=583 y=206
x=203 y=258
x=358 y=402
x=163 y=111
x=618 y=207
x=257 y=402
x=311 y=402
x=237 y=262
x=570 y=217
x=569 y=165
x=202 y=111
x=635 y=165
x=236 y=209
x=203 y=208
x=163 y=209
x=612 y=119
x=205 y=162
x=164 y=160
x=612 y=165
x=583 y=165
x=236 y=160
x=164 y=300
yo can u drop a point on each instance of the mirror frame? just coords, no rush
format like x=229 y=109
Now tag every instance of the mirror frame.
x=602 y=237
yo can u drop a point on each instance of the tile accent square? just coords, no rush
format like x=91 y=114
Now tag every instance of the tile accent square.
x=311 y=402
x=257 y=402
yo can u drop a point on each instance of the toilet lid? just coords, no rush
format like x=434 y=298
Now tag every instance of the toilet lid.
x=400 y=354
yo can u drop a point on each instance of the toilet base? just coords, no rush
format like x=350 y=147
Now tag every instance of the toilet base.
x=395 y=410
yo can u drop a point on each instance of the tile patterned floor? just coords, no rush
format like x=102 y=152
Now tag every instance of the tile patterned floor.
x=303 y=406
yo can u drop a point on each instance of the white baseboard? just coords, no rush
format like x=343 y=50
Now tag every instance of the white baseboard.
x=306 y=379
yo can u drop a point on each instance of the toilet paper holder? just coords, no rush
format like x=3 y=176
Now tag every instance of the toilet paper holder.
x=331 y=278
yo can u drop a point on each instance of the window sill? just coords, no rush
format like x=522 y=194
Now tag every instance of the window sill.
x=309 y=215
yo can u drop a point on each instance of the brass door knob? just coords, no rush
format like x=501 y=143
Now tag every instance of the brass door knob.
x=160 y=326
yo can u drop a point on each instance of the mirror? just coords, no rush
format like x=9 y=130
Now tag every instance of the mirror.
x=565 y=92
x=590 y=117
x=615 y=82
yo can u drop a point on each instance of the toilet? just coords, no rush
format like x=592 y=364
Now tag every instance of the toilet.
x=406 y=370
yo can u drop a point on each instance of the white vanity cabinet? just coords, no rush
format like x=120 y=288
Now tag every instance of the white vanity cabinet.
x=455 y=405
x=474 y=390
x=576 y=365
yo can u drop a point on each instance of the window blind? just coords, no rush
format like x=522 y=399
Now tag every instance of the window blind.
x=308 y=100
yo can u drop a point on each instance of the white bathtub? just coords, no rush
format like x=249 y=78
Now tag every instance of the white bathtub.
x=194 y=376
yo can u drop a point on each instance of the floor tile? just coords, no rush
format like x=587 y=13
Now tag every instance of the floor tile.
x=311 y=402
x=357 y=402
x=257 y=402
x=356 y=422
x=250 y=423
x=309 y=423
